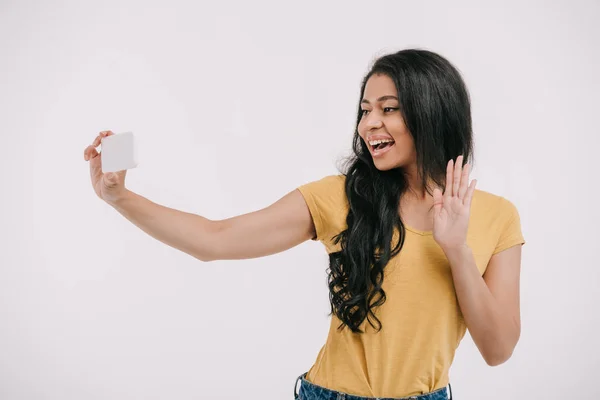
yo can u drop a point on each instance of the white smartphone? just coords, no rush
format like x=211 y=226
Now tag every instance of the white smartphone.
x=118 y=152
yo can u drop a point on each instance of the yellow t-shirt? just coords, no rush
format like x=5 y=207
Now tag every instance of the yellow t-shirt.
x=421 y=319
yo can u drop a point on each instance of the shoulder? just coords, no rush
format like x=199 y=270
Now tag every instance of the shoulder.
x=494 y=223
x=493 y=205
x=328 y=205
x=329 y=181
x=331 y=186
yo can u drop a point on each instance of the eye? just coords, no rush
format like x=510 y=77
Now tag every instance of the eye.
x=386 y=109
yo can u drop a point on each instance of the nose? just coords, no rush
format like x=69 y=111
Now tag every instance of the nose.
x=373 y=121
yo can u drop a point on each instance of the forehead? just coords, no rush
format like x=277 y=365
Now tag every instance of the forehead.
x=379 y=85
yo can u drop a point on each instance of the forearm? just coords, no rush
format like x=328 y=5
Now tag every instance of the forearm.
x=494 y=331
x=186 y=232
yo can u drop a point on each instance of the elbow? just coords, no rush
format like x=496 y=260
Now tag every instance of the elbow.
x=205 y=255
x=498 y=354
x=206 y=248
x=497 y=358
x=500 y=349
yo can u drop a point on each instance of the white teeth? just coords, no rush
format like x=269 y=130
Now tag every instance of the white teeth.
x=376 y=142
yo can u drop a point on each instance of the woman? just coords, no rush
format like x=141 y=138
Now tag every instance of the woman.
x=416 y=254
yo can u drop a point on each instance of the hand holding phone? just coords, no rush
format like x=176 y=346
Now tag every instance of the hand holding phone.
x=109 y=166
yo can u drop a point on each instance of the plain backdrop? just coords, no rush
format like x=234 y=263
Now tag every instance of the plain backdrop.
x=234 y=104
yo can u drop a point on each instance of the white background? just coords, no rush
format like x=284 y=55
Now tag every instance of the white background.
x=235 y=104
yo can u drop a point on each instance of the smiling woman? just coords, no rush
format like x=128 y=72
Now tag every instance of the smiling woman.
x=401 y=226
x=395 y=284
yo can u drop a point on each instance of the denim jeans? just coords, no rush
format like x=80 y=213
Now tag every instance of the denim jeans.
x=310 y=391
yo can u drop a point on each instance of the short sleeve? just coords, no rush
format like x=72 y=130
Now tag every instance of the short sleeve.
x=325 y=201
x=510 y=233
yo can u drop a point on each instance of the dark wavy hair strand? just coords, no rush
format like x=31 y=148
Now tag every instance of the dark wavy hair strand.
x=435 y=105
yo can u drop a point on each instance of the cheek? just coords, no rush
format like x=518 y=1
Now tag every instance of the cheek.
x=361 y=133
x=361 y=129
x=404 y=146
x=403 y=137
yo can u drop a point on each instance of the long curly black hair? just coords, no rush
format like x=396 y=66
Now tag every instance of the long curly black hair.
x=435 y=105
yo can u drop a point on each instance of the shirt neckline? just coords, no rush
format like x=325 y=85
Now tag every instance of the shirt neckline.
x=417 y=231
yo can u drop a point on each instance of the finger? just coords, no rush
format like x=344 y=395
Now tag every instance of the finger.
x=457 y=176
x=101 y=135
x=449 y=171
x=469 y=194
x=464 y=180
x=89 y=153
x=97 y=140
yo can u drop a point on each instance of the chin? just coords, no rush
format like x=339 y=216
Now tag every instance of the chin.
x=385 y=165
x=388 y=161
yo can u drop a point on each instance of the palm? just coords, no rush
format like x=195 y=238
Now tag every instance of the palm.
x=452 y=209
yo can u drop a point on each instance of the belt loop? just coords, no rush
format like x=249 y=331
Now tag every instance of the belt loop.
x=296 y=395
x=449 y=391
x=341 y=396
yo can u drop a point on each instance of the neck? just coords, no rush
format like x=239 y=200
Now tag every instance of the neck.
x=416 y=190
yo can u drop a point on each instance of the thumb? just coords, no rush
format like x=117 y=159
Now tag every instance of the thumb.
x=110 y=179
x=438 y=201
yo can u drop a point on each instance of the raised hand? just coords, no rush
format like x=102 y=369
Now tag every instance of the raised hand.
x=453 y=208
x=109 y=187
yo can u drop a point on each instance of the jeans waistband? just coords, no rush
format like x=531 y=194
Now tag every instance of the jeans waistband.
x=312 y=391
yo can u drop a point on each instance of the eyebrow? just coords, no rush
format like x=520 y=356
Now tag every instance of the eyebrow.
x=382 y=98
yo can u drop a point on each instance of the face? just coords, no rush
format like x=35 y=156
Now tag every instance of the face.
x=382 y=127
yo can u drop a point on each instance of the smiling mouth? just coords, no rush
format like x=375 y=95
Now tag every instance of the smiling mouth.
x=381 y=146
